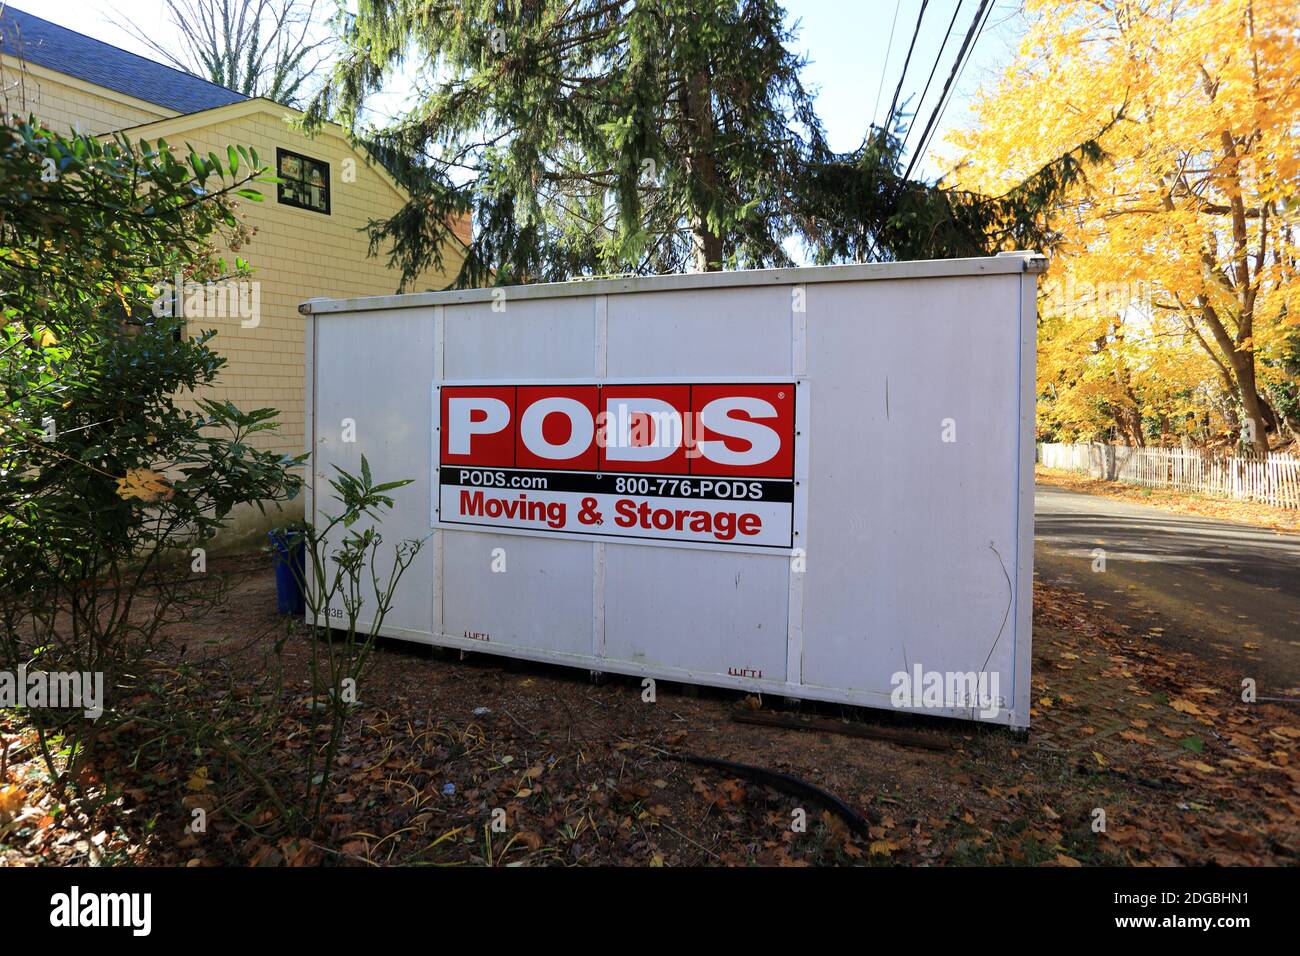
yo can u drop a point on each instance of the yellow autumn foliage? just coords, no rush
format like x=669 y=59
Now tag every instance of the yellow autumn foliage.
x=12 y=800
x=144 y=484
x=1171 y=305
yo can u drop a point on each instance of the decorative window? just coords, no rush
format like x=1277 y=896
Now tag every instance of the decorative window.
x=305 y=181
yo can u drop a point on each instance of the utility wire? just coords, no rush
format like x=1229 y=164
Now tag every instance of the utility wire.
x=908 y=59
x=958 y=67
x=964 y=56
x=938 y=56
x=884 y=67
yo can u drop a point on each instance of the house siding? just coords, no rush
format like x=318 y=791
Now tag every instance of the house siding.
x=297 y=254
x=65 y=106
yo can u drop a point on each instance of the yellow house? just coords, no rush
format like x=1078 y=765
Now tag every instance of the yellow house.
x=308 y=233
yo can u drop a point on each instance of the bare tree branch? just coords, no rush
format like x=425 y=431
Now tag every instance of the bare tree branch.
x=270 y=48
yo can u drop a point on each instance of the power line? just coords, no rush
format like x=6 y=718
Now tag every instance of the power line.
x=908 y=59
x=884 y=67
x=958 y=67
x=937 y=57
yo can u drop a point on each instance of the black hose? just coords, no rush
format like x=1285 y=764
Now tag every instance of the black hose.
x=785 y=782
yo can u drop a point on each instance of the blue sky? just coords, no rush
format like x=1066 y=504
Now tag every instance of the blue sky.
x=846 y=42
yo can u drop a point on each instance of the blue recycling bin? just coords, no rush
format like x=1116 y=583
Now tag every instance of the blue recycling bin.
x=290 y=565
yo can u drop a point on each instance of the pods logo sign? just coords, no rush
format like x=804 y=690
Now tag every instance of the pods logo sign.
x=669 y=462
x=707 y=429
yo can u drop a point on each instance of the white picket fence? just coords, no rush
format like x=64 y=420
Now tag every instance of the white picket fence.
x=1273 y=479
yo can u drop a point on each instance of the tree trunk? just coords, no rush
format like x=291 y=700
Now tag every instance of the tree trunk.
x=707 y=244
x=1241 y=358
x=1128 y=425
x=1243 y=354
x=1270 y=414
x=1243 y=364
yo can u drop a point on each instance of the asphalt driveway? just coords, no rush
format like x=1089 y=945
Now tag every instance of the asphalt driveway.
x=1229 y=593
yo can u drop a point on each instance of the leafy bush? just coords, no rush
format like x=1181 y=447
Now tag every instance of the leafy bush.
x=108 y=479
x=344 y=587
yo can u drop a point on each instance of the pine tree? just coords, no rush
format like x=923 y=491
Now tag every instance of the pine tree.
x=588 y=136
x=591 y=137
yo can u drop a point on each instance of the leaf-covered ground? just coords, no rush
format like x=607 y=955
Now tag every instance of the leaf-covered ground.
x=1183 y=770
x=1179 y=502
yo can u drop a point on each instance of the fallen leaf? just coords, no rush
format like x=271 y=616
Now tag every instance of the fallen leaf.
x=12 y=800
x=267 y=856
x=144 y=485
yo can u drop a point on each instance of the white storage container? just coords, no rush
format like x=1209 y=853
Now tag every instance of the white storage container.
x=812 y=483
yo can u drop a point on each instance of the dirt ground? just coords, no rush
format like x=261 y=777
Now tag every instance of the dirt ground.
x=1135 y=757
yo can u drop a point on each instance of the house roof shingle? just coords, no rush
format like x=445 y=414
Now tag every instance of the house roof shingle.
x=66 y=51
